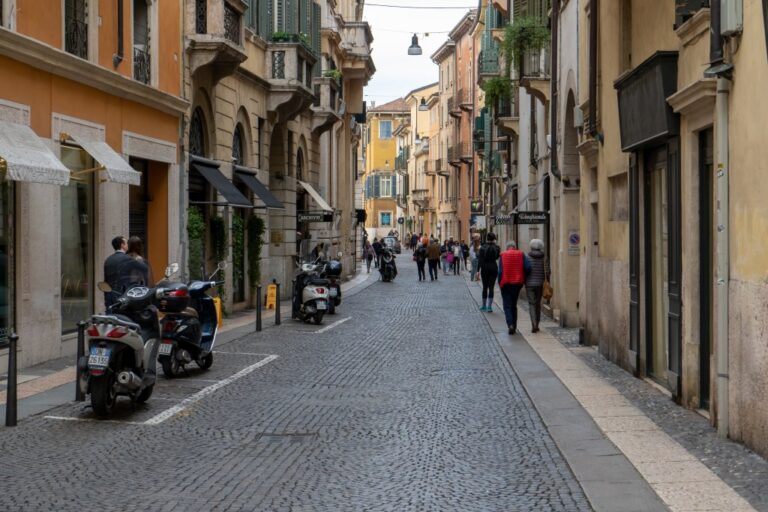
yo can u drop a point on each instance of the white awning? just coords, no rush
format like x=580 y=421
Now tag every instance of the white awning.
x=25 y=157
x=115 y=168
x=316 y=196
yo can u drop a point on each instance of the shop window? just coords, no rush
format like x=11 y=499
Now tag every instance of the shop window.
x=77 y=235
x=76 y=28
x=6 y=259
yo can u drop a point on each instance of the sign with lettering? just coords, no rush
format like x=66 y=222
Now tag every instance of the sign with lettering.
x=531 y=217
x=315 y=217
x=500 y=220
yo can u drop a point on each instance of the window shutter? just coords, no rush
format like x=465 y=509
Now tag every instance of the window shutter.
x=377 y=186
x=316 y=26
x=281 y=16
x=368 y=188
x=394 y=186
x=265 y=18
x=291 y=9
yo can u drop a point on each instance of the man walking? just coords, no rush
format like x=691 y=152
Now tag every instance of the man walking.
x=420 y=256
x=513 y=266
x=489 y=270
x=433 y=258
x=113 y=268
x=377 y=250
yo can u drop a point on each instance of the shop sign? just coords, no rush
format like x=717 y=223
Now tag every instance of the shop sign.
x=531 y=217
x=501 y=220
x=315 y=217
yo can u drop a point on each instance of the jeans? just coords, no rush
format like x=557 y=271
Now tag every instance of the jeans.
x=534 y=304
x=368 y=264
x=489 y=283
x=457 y=266
x=474 y=268
x=420 y=267
x=433 y=269
x=509 y=294
x=445 y=265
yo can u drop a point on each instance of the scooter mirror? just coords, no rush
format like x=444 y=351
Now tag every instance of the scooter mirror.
x=212 y=292
x=103 y=286
x=340 y=255
x=171 y=269
x=221 y=265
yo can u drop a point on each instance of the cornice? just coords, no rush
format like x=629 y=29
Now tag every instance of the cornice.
x=699 y=95
x=694 y=27
x=52 y=60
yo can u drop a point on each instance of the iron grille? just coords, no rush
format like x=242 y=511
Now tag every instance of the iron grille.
x=237 y=146
x=197 y=134
x=76 y=39
x=278 y=64
x=142 y=65
x=201 y=16
x=231 y=24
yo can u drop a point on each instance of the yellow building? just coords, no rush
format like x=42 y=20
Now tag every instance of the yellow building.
x=381 y=181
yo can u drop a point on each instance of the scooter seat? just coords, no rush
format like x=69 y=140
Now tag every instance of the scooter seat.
x=319 y=281
x=190 y=312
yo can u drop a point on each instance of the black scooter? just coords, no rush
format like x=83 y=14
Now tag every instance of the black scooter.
x=387 y=266
x=189 y=326
x=331 y=271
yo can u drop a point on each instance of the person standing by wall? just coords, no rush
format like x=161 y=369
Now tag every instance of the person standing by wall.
x=433 y=259
x=474 y=251
x=534 y=281
x=513 y=267
x=112 y=266
x=487 y=258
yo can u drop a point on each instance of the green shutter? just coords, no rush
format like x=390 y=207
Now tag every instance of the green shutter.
x=316 y=21
x=368 y=188
x=376 y=186
x=304 y=14
x=394 y=185
x=281 y=16
x=265 y=18
x=291 y=14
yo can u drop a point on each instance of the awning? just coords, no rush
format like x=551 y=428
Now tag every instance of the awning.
x=25 y=157
x=316 y=196
x=210 y=171
x=258 y=188
x=115 y=168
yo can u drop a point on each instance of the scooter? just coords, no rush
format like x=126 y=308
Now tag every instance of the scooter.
x=190 y=323
x=332 y=271
x=387 y=267
x=122 y=350
x=310 y=294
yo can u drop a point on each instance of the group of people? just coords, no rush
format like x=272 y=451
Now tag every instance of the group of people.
x=125 y=268
x=513 y=269
x=451 y=255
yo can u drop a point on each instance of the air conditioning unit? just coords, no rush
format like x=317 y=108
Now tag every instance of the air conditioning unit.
x=731 y=17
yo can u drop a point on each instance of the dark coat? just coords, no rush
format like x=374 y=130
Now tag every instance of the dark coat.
x=488 y=256
x=539 y=269
x=113 y=271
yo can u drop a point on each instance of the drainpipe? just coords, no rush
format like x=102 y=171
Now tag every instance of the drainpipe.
x=594 y=13
x=553 y=104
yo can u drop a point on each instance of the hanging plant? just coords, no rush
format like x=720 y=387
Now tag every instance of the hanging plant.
x=255 y=226
x=333 y=73
x=497 y=88
x=526 y=33
x=238 y=249
x=196 y=240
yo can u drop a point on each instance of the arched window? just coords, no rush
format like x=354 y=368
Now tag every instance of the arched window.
x=300 y=165
x=197 y=134
x=238 y=146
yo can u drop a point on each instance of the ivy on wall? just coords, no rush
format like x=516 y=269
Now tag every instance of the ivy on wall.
x=196 y=239
x=255 y=226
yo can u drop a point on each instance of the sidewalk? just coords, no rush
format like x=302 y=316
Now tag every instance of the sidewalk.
x=675 y=451
x=50 y=384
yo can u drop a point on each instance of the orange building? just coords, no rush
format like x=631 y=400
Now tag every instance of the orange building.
x=90 y=116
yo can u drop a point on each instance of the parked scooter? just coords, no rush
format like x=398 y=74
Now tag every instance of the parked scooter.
x=122 y=350
x=310 y=294
x=190 y=323
x=387 y=266
x=331 y=270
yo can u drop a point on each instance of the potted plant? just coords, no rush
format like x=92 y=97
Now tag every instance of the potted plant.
x=333 y=73
x=281 y=37
x=526 y=33
x=497 y=88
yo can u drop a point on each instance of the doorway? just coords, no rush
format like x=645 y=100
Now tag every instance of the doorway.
x=657 y=252
x=706 y=270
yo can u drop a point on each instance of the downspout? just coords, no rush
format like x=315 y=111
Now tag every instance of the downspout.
x=722 y=253
x=594 y=12
x=553 y=104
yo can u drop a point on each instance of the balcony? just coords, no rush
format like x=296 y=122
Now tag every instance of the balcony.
x=453 y=107
x=327 y=104
x=441 y=167
x=464 y=99
x=487 y=64
x=357 y=63
x=465 y=152
x=215 y=43
x=142 y=64
x=429 y=167
x=535 y=74
x=401 y=160
x=454 y=155
x=421 y=197
x=507 y=116
x=289 y=72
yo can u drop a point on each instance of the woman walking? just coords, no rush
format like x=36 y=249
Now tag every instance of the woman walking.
x=457 y=259
x=474 y=251
x=420 y=257
x=368 y=255
x=489 y=270
x=534 y=281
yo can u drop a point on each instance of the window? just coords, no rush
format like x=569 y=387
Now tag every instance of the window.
x=385 y=129
x=201 y=16
x=76 y=28
x=237 y=146
x=76 y=240
x=141 y=54
x=386 y=218
x=197 y=134
x=386 y=186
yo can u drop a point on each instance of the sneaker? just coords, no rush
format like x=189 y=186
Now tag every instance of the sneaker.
x=483 y=308
x=489 y=309
x=511 y=330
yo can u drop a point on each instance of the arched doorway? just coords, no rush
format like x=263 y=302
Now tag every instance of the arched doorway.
x=239 y=220
x=198 y=193
x=302 y=206
x=568 y=269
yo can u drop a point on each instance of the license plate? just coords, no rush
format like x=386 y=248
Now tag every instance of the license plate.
x=99 y=357
x=165 y=349
x=321 y=305
x=333 y=292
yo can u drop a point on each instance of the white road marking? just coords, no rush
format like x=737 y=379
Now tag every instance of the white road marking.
x=334 y=324
x=95 y=420
x=176 y=409
x=239 y=353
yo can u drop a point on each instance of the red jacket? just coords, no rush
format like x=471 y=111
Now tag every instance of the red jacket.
x=512 y=267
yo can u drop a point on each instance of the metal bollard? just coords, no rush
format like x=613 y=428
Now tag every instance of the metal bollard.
x=258 y=308
x=79 y=395
x=277 y=302
x=10 y=401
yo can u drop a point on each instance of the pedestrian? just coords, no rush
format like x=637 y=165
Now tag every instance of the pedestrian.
x=368 y=255
x=513 y=267
x=534 y=281
x=444 y=252
x=474 y=250
x=420 y=257
x=465 y=254
x=487 y=257
x=112 y=269
x=377 y=250
x=433 y=259
x=458 y=257
x=318 y=253
x=136 y=272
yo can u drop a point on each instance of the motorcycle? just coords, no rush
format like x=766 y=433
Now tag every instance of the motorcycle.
x=190 y=323
x=331 y=270
x=387 y=266
x=310 y=294
x=122 y=350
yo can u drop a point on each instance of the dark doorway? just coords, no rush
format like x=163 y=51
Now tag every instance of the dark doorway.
x=706 y=271
x=138 y=203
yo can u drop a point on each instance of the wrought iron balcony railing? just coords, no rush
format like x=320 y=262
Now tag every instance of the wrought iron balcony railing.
x=201 y=16
x=142 y=64
x=232 y=24
x=76 y=39
x=536 y=64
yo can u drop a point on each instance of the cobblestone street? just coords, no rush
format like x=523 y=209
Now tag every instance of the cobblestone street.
x=410 y=405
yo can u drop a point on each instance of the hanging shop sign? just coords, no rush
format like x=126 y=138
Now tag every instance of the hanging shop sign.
x=315 y=217
x=501 y=220
x=401 y=220
x=531 y=217
x=476 y=206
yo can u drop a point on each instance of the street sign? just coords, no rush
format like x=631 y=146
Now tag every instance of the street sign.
x=574 y=240
x=500 y=220
x=531 y=217
x=401 y=220
x=476 y=206
x=315 y=217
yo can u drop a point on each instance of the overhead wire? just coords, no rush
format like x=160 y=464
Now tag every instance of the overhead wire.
x=435 y=7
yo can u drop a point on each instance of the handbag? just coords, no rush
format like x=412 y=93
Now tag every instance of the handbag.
x=546 y=290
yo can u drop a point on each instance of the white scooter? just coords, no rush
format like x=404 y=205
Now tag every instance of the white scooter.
x=310 y=294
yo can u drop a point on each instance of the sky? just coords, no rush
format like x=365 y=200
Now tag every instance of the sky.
x=398 y=73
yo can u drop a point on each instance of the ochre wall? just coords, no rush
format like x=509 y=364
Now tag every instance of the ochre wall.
x=171 y=53
x=157 y=227
x=41 y=20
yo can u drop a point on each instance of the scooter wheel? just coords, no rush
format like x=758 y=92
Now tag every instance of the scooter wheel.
x=205 y=362
x=318 y=318
x=103 y=395
x=170 y=366
x=145 y=394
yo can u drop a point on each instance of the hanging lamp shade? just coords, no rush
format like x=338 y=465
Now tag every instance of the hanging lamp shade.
x=423 y=107
x=415 y=49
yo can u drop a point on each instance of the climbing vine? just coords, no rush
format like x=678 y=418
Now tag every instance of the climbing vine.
x=497 y=88
x=255 y=226
x=196 y=238
x=238 y=250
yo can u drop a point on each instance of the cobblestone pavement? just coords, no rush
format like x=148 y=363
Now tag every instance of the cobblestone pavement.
x=742 y=469
x=407 y=406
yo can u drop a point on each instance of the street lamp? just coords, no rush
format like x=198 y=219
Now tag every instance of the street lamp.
x=415 y=49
